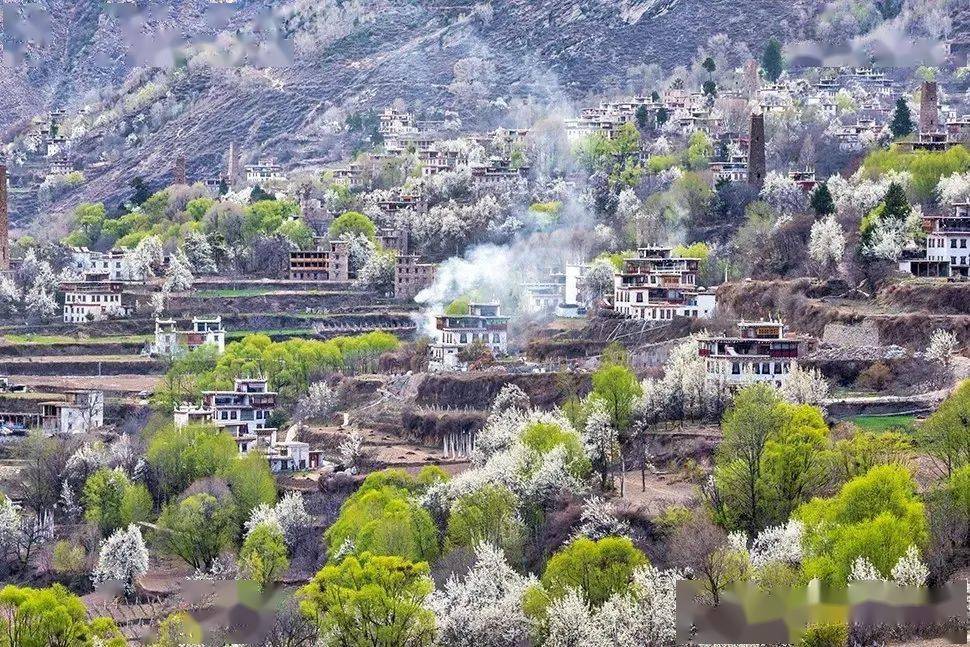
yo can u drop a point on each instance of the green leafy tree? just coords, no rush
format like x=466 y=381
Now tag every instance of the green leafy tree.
x=902 y=121
x=618 y=388
x=383 y=521
x=263 y=555
x=197 y=529
x=543 y=437
x=771 y=61
x=51 y=617
x=797 y=463
x=112 y=501
x=946 y=434
x=926 y=167
x=597 y=568
x=709 y=89
x=878 y=515
x=180 y=456
x=663 y=115
x=709 y=65
x=864 y=450
x=372 y=600
x=251 y=483
x=353 y=222
x=822 y=202
x=748 y=425
x=489 y=514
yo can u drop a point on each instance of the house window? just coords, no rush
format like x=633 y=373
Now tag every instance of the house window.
x=496 y=338
x=735 y=368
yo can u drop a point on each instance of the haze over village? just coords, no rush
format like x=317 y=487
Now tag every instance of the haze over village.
x=365 y=324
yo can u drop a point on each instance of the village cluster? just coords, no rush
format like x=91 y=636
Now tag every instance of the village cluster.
x=679 y=334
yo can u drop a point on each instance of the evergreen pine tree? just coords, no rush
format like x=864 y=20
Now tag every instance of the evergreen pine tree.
x=771 y=61
x=895 y=205
x=902 y=123
x=822 y=202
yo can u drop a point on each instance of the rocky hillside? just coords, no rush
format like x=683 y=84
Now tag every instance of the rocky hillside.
x=282 y=81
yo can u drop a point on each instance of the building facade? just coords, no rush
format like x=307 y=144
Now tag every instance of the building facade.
x=657 y=286
x=86 y=301
x=411 y=276
x=171 y=340
x=80 y=413
x=482 y=324
x=328 y=262
x=948 y=239
x=762 y=352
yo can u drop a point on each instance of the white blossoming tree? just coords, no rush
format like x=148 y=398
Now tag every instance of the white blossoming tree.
x=377 y=272
x=804 y=386
x=178 y=277
x=485 y=607
x=351 y=450
x=147 y=257
x=511 y=396
x=570 y=623
x=289 y=514
x=826 y=243
x=783 y=194
x=599 y=520
x=644 y=614
x=598 y=280
x=39 y=304
x=11 y=528
x=602 y=442
x=198 y=252
x=941 y=348
x=123 y=558
x=953 y=189
x=319 y=402
x=910 y=569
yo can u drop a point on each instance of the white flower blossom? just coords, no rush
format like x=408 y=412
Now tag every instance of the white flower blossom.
x=804 y=386
x=826 y=243
x=599 y=520
x=351 y=450
x=485 y=607
x=782 y=544
x=953 y=189
x=123 y=558
x=864 y=571
x=570 y=623
x=910 y=569
x=179 y=277
x=289 y=515
x=942 y=346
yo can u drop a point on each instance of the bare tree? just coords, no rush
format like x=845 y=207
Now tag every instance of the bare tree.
x=703 y=547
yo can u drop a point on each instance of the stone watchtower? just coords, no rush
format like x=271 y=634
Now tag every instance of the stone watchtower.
x=179 y=171
x=929 y=114
x=4 y=222
x=756 y=151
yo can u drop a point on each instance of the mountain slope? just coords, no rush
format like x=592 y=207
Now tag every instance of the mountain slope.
x=346 y=57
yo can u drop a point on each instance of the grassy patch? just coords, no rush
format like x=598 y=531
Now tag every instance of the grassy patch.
x=903 y=423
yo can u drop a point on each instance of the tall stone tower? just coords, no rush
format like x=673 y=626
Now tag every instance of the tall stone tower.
x=179 y=172
x=232 y=174
x=4 y=222
x=756 y=151
x=929 y=114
